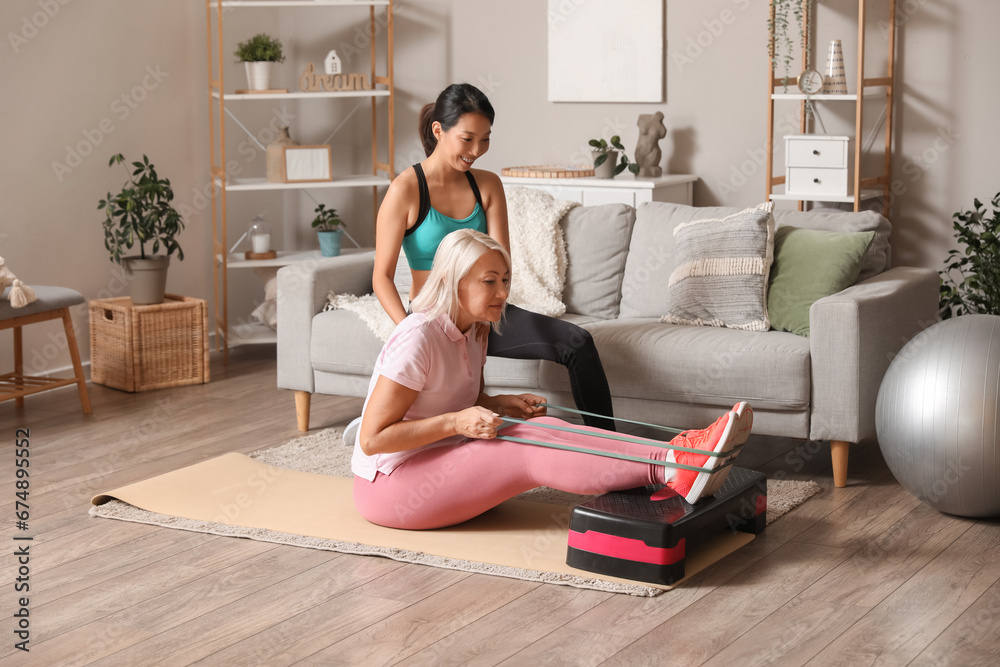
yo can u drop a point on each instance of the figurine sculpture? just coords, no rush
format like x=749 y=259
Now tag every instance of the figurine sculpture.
x=647 y=148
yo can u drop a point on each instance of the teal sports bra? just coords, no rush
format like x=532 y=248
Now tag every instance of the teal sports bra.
x=421 y=241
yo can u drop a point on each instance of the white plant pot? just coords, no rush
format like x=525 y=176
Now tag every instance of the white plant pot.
x=258 y=75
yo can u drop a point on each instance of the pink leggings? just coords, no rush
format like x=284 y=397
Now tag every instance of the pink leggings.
x=447 y=485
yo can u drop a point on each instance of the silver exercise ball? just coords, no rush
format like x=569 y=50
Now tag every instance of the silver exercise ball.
x=937 y=416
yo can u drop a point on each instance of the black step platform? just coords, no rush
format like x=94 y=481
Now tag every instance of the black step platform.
x=642 y=534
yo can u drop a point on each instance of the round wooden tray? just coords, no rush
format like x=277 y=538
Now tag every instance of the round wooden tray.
x=270 y=254
x=547 y=171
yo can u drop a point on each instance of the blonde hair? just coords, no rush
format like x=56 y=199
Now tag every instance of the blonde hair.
x=455 y=257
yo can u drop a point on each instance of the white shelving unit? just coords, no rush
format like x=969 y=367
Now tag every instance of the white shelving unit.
x=383 y=88
x=354 y=181
x=284 y=258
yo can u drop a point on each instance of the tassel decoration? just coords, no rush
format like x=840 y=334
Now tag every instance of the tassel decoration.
x=21 y=295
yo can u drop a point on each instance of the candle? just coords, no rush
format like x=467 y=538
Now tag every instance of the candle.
x=261 y=242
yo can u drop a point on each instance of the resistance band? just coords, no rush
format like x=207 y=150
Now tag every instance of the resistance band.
x=608 y=435
x=615 y=455
x=668 y=429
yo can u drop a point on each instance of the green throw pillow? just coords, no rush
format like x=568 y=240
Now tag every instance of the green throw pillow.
x=810 y=264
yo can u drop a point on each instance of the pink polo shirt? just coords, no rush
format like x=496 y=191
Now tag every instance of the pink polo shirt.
x=436 y=359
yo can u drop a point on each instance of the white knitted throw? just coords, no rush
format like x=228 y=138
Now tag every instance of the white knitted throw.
x=538 y=250
x=366 y=307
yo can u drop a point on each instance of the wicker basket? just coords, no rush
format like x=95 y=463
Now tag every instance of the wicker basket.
x=135 y=348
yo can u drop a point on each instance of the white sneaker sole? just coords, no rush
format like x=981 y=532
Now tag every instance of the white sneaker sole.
x=744 y=424
x=736 y=433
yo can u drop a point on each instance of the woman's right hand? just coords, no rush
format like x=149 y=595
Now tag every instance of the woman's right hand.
x=478 y=423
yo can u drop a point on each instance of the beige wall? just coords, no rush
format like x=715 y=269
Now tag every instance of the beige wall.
x=76 y=81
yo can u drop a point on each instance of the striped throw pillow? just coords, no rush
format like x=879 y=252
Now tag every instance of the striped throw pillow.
x=721 y=267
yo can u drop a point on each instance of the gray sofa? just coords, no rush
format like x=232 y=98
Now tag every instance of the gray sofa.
x=821 y=387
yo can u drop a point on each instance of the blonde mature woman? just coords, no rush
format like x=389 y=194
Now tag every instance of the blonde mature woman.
x=427 y=453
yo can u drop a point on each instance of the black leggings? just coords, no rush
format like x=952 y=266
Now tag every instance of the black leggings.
x=528 y=335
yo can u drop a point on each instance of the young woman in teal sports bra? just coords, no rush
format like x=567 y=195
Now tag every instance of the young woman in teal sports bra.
x=426 y=202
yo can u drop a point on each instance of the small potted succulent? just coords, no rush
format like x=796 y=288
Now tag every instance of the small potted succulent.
x=257 y=54
x=142 y=213
x=327 y=226
x=606 y=155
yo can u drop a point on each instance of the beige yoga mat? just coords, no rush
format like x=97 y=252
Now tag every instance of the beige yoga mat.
x=236 y=490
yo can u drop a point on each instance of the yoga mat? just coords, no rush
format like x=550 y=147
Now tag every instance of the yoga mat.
x=520 y=539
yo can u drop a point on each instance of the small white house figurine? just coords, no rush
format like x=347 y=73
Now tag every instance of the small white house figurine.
x=332 y=63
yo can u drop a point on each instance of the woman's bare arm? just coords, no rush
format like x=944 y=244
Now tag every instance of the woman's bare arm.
x=384 y=430
x=495 y=203
x=398 y=207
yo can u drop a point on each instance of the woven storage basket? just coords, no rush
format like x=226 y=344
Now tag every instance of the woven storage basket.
x=135 y=348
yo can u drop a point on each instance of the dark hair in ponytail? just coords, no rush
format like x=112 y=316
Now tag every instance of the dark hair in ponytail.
x=454 y=102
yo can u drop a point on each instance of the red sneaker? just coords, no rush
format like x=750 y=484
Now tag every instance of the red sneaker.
x=722 y=436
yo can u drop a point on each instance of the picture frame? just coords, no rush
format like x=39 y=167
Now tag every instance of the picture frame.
x=307 y=164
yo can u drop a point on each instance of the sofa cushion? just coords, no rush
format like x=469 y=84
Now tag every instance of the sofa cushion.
x=877 y=258
x=650 y=256
x=597 y=243
x=699 y=365
x=810 y=264
x=721 y=267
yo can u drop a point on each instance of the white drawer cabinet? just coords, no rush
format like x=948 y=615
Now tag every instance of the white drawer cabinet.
x=625 y=189
x=818 y=164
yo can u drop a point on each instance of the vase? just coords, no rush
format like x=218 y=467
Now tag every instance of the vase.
x=607 y=168
x=329 y=242
x=835 y=81
x=275 y=156
x=258 y=75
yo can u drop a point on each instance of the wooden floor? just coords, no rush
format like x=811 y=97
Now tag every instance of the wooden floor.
x=855 y=576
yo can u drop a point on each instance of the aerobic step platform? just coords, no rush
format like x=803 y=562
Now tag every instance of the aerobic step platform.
x=643 y=534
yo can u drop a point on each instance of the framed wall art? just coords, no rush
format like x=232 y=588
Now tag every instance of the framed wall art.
x=306 y=164
x=606 y=50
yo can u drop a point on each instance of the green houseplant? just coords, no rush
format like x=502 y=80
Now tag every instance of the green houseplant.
x=605 y=156
x=970 y=282
x=327 y=226
x=141 y=213
x=257 y=54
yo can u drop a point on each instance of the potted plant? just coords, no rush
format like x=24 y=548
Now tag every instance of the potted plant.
x=257 y=54
x=605 y=157
x=977 y=286
x=327 y=226
x=142 y=213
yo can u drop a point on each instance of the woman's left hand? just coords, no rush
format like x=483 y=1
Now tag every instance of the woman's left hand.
x=521 y=406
